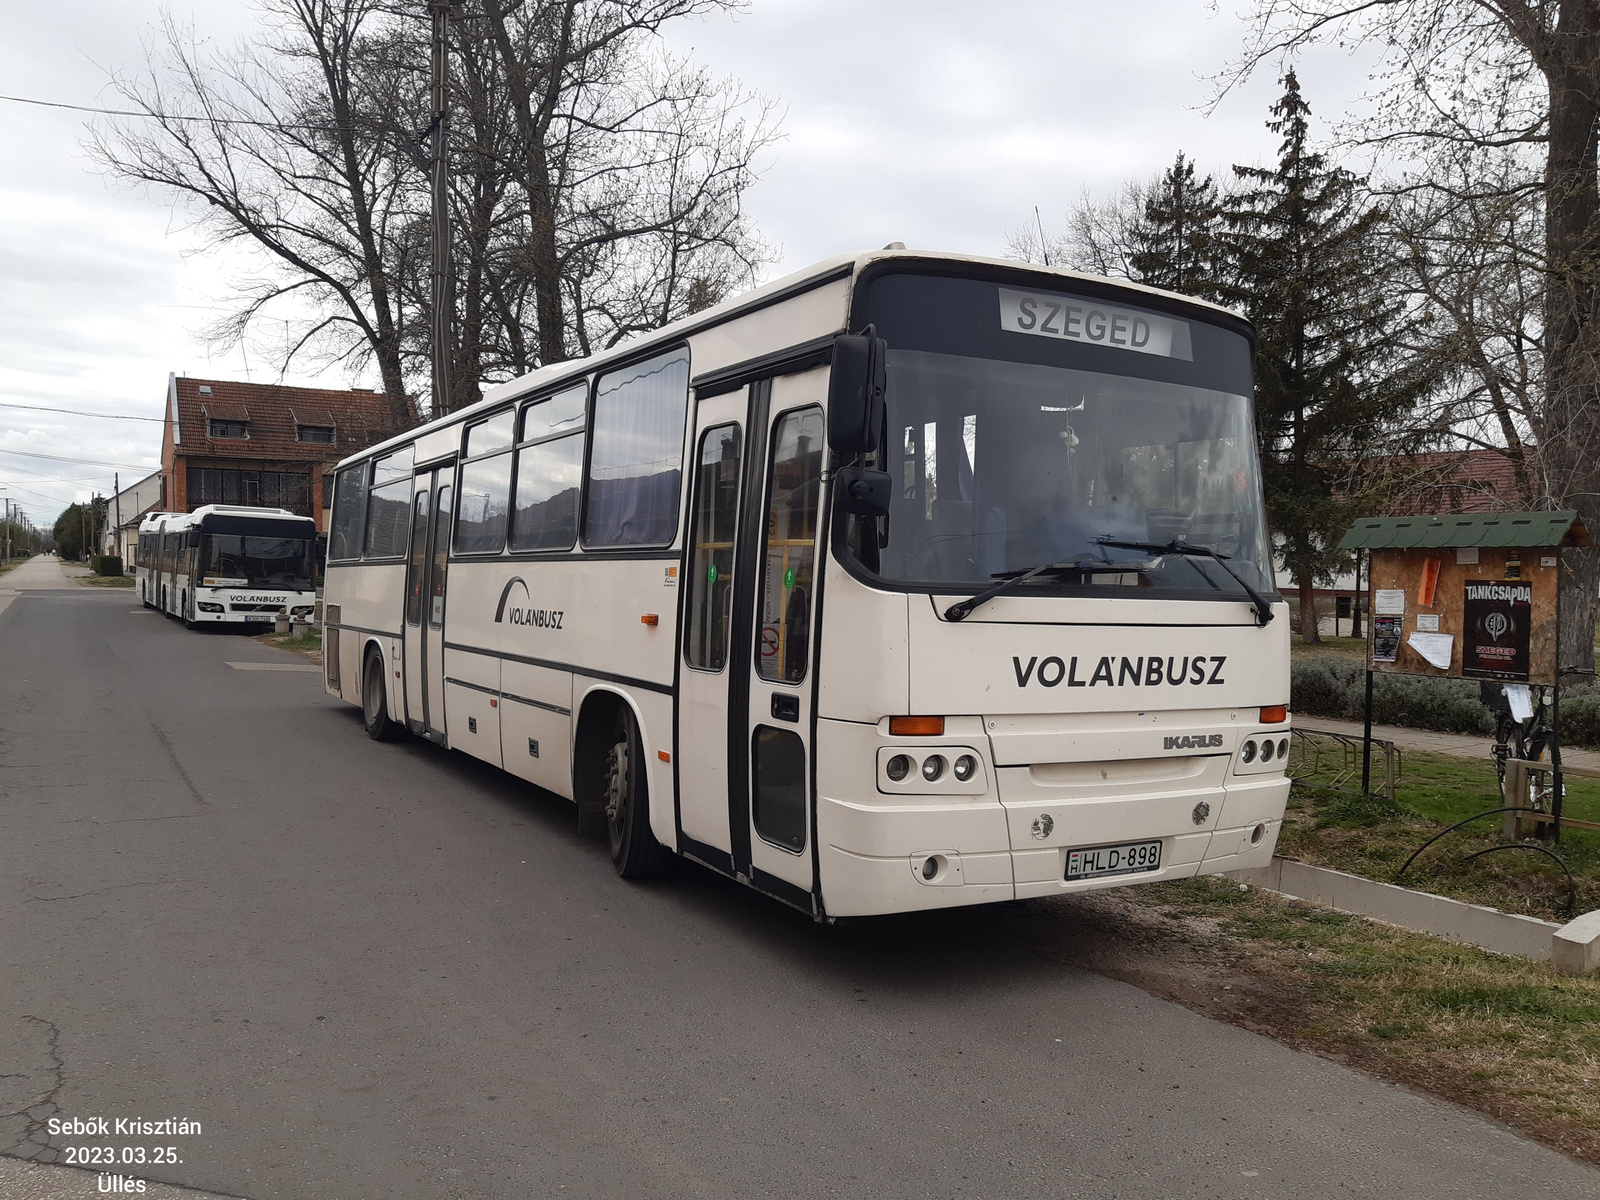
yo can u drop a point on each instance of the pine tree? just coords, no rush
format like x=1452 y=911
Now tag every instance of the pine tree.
x=1307 y=262
x=1175 y=240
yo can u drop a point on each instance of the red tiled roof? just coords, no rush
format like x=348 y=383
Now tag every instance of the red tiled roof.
x=1463 y=481
x=359 y=419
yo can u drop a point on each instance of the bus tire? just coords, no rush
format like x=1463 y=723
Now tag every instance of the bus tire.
x=375 y=700
x=635 y=853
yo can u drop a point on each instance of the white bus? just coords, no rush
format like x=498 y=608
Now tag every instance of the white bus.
x=907 y=581
x=227 y=564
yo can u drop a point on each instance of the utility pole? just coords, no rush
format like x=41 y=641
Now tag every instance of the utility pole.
x=441 y=206
x=116 y=482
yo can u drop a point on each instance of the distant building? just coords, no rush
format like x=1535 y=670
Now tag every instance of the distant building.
x=124 y=511
x=258 y=443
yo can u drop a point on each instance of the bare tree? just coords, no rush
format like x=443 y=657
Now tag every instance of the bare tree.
x=1100 y=236
x=630 y=167
x=596 y=184
x=277 y=146
x=1520 y=79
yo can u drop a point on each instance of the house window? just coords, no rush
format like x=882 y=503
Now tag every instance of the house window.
x=322 y=435
x=229 y=429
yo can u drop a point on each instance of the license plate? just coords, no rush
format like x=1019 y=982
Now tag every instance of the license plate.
x=258 y=616
x=1130 y=858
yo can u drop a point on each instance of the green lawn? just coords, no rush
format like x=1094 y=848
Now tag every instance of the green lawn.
x=1370 y=838
x=1343 y=647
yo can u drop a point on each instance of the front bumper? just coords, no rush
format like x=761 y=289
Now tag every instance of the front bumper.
x=874 y=849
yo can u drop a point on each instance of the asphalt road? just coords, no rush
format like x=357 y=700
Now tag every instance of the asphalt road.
x=386 y=971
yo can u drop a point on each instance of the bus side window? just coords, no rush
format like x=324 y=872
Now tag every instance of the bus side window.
x=549 y=472
x=389 y=506
x=349 y=493
x=711 y=525
x=636 y=454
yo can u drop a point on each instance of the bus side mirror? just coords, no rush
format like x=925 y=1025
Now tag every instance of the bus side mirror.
x=862 y=493
x=855 y=393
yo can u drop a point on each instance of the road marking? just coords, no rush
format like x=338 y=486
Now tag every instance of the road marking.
x=260 y=666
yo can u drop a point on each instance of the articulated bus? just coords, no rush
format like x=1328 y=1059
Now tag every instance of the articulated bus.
x=227 y=564
x=907 y=581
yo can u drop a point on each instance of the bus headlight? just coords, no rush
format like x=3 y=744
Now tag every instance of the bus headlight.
x=933 y=767
x=966 y=767
x=207 y=606
x=897 y=768
x=303 y=611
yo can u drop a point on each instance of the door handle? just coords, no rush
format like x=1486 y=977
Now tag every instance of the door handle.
x=785 y=706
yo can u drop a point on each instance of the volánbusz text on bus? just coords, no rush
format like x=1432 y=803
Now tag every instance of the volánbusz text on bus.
x=907 y=581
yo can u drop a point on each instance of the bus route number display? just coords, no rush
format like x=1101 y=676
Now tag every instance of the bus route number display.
x=1497 y=619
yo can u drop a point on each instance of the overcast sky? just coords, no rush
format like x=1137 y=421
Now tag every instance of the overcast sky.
x=938 y=123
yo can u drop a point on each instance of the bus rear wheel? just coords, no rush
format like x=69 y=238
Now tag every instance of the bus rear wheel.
x=375 y=701
x=635 y=853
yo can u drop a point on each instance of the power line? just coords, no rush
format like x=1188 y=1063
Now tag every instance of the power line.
x=159 y=116
x=73 y=412
x=91 y=462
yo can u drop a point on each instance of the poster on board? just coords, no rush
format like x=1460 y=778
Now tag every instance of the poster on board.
x=1497 y=620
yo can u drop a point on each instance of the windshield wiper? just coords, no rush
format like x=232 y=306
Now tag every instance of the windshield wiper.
x=1184 y=550
x=1011 y=579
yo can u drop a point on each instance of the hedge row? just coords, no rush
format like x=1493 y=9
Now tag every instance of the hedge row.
x=1335 y=687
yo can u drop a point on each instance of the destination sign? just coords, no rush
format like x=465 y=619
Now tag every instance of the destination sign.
x=1094 y=323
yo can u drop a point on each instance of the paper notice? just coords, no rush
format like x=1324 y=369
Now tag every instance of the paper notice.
x=1467 y=554
x=1435 y=647
x=1521 y=699
x=1391 y=602
x=1427 y=622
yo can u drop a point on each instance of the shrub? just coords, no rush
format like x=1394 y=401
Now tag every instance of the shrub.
x=108 y=564
x=1336 y=687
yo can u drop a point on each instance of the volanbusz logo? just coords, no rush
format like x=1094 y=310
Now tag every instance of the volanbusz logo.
x=508 y=612
x=1135 y=672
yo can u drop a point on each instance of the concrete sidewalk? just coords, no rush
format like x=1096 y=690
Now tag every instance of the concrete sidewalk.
x=1460 y=745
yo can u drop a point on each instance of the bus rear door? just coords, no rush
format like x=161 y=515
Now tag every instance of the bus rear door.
x=427 y=562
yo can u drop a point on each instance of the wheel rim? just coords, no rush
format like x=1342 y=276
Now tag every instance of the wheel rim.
x=617 y=791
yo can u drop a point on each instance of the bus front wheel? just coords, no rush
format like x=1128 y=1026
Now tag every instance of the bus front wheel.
x=634 y=850
x=375 y=701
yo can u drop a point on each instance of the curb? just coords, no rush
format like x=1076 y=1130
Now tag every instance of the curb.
x=1573 y=947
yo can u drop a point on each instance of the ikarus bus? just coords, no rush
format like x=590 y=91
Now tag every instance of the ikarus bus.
x=904 y=582
x=227 y=564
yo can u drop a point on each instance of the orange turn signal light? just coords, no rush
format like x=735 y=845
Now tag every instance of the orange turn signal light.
x=916 y=726
x=650 y=619
x=1272 y=714
x=663 y=756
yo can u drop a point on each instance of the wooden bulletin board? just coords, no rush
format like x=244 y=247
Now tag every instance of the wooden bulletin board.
x=1408 y=570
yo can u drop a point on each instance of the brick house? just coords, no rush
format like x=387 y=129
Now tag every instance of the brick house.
x=256 y=443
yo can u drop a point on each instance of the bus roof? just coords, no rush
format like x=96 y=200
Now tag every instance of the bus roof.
x=838 y=267
x=212 y=514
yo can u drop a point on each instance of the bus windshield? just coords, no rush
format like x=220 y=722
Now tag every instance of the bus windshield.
x=248 y=561
x=1001 y=467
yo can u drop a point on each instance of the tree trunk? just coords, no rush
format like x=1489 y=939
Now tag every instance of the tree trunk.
x=1571 y=447
x=1308 y=608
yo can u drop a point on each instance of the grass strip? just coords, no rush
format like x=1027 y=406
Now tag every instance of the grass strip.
x=1505 y=1036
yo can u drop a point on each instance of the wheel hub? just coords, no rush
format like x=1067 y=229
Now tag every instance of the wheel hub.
x=617 y=783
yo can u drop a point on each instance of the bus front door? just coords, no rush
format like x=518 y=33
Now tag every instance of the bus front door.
x=774 y=612
x=427 y=563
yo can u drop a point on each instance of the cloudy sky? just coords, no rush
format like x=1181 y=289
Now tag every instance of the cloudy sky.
x=938 y=123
